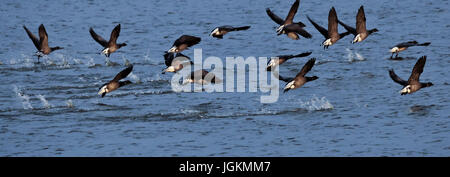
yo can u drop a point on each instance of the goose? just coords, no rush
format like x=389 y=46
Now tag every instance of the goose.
x=404 y=45
x=111 y=45
x=360 y=32
x=116 y=83
x=183 y=43
x=222 y=30
x=300 y=79
x=41 y=44
x=176 y=62
x=287 y=26
x=413 y=84
x=283 y=58
x=331 y=35
x=201 y=77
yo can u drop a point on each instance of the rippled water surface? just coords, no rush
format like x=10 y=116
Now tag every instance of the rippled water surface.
x=353 y=109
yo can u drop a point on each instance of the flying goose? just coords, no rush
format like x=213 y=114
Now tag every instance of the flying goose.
x=41 y=44
x=331 y=35
x=287 y=26
x=116 y=83
x=183 y=43
x=413 y=84
x=111 y=45
x=404 y=45
x=300 y=79
x=222 y=30
x=360 y=32
x=283 y=58
x=176 y=62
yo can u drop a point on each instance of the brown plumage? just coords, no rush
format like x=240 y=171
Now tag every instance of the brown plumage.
x=183 y=42
x=300 y=79
x=201 y=77
x=413 y=84
x=176 y=62
x=288 y=26
x=283 y=58
x=222 y=30
x=111 y=45
x=331 y=35
x=116 y=83
x=360 y=32
x=41 y=44
x=404 y=45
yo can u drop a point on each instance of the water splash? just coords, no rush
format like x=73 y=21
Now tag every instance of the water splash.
x=44 y=102
x=91 y=62
x=69 y=103
x=135 y=78
x=353 y=56
x=316 y=104
x=25 y=98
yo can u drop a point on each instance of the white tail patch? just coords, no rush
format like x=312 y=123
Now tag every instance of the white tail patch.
x=406 y=90
x=327 y=42
x=216 y=32
x=273 y=62
x=290 y=85
x=105 y=51
x=102 y=90
x=173 y=49
x=357 y=38
x=395 y=49
x=280 y=30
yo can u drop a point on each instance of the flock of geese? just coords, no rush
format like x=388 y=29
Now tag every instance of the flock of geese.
x=175 y=60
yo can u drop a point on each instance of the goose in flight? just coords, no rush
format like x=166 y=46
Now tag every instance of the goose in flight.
x=413 y=84
x=331 y=35
x=41 y=44
x=287 y=26
x=111 y=45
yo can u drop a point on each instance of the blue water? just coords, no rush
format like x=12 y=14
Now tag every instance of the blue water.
x=353 y=109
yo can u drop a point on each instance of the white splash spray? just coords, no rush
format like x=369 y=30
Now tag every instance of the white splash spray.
x=24 y=98
x=69 y=104
x=316 y=104
x=354 y=56
x=44 y=102
x=135 y=78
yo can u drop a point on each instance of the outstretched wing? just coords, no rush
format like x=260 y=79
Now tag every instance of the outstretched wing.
x=168 y=58
x=43 y=37
x=418 y=69
x=307 y=67
x=361 y=21
x=297 y=28
x=290 y=17
x=114 y=35
x=397 y=79
x=33 y=38
x=123 y=74
x=274 y=17
x=348 y=28
x=188 y=40
x=333 y=24
x=322 y=30
x=98 y=38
